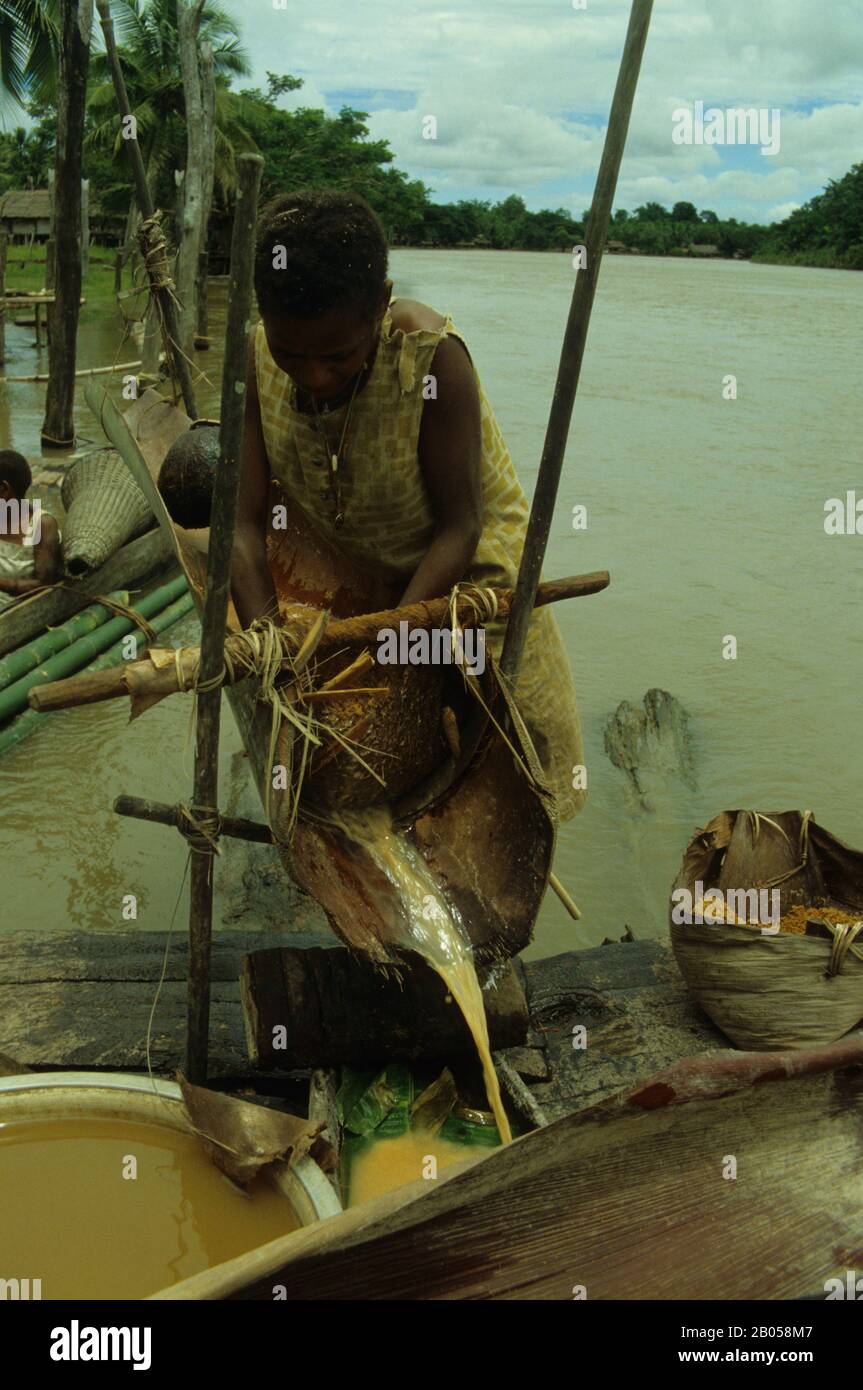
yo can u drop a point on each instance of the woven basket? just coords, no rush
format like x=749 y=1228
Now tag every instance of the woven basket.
x=104 y=509
x=769 y=992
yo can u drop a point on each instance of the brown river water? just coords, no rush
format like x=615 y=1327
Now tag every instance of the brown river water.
x=709 y=514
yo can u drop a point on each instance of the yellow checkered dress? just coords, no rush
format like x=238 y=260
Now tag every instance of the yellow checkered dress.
x=388 y=521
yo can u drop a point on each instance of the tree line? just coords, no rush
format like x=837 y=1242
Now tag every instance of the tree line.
x=307 y=146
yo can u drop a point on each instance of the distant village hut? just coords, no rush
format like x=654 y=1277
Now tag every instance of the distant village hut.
x=25 y=215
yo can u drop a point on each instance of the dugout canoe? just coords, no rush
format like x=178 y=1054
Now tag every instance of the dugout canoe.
x=483 y=820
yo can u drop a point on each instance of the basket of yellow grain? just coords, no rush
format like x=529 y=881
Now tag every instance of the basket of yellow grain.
x=766 y=922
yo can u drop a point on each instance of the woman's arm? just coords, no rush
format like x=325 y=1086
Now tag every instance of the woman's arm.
x=450 y=454
x=47 y=561
x=48 y=553
x=251 y=582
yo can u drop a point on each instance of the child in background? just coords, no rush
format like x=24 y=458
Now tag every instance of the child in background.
x=31 y=554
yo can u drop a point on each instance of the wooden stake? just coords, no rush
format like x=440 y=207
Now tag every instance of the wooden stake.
x=223 y=517
x=574 y=339
x=58 y=426
x=3 y=244
x=145 y=202
x=85 y=227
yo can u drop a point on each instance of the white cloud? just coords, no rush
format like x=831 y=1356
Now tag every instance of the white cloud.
x=521 y=90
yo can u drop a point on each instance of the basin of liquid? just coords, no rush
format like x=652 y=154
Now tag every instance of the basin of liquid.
x=106 y=1194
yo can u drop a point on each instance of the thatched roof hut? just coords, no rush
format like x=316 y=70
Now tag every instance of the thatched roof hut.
x=25 y=213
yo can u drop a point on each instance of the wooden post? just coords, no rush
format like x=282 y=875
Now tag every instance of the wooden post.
x=223 y=517
x=85 y=227
x=208 y=154
x=118 y=271
x=575 y=337
x=51 y=243
x=76 y=18
x=191 y=188
x=37 y=315
x=3 y=244
x=145 y=201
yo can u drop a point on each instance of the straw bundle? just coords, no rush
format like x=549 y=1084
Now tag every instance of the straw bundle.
x=771 y=990
x=104 y=509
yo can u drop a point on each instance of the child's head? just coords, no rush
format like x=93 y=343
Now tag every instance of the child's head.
x=186 y=476
x=15 y=475
x=321 y=284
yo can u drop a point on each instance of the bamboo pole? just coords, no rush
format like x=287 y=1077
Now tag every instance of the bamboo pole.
x=145 y=204
x=84 y=371
x=574 y=339
x=214 y=619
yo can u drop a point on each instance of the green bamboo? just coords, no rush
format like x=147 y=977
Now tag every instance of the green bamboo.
x=24 y=658
x=28 y=722
x=68 y=662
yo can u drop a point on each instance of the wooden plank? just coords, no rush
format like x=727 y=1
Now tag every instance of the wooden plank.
x=88 y=1024
x=636 y=1012
x=95 y=957
x=131 y=564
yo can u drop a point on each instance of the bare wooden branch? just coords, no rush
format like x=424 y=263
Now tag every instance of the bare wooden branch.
x=111 y=685
x=159 y=812
x=574 y=340
x=224 y=510
x=208 y=167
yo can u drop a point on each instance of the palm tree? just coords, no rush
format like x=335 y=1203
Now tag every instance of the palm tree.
x=28 y=48
x=150 y=62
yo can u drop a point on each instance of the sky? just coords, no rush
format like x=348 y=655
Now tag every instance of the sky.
x=520 y=92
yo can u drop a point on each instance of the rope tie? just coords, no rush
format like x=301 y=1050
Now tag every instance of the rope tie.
x=122 y=610
x=201 y=826
x=204 y=687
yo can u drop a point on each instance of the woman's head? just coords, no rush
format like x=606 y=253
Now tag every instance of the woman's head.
x=321 y=284
x=15 y=475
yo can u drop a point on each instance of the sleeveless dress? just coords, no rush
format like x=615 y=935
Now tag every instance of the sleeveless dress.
x=388 y=521
x=16 y=562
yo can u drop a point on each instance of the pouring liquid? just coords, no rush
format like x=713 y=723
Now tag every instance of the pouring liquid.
x=434 y=930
